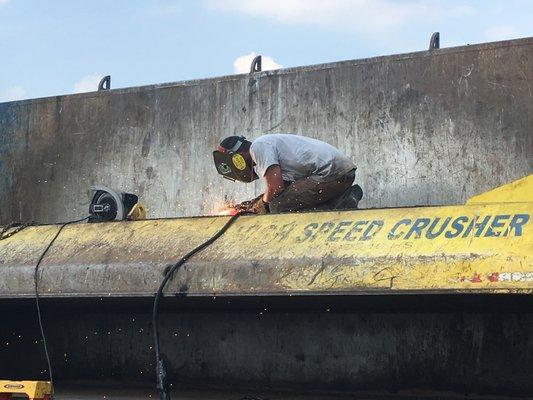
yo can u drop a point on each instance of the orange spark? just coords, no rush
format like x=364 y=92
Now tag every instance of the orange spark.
x=225 y=209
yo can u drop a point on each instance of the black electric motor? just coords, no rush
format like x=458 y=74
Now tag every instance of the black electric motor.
x=110 y=205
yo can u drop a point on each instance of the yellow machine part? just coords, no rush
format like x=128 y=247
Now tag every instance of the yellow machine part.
x=35 y=390
x=137 y=212
x=519 y=191
x=485 y=247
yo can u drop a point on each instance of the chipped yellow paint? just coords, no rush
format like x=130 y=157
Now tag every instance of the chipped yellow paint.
x=328 y=251
x=477 y=247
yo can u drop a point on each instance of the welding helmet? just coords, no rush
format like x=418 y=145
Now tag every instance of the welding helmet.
x=230 y=163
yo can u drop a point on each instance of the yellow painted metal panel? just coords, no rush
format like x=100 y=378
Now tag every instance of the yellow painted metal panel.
x=518 y=191
x=419 y=248
x=481 y=247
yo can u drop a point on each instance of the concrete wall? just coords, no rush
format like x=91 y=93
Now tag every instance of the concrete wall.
x=424 y=128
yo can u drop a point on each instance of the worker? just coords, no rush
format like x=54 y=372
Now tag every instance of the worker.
x=300 y=173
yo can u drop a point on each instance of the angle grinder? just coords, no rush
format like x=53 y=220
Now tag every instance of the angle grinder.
x=113 y=205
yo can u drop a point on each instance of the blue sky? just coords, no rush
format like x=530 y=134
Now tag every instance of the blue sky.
x=56 y=47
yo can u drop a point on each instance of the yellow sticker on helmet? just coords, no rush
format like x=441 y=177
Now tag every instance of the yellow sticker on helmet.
x=238 y=161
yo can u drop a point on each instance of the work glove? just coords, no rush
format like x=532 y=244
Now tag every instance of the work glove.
x=254 y=206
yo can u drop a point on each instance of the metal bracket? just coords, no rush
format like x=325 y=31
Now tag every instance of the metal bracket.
x=434 y=42
x=256 y=65
x=105 y=83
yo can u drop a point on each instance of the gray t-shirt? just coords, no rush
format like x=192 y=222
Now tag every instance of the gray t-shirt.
x=299 y=157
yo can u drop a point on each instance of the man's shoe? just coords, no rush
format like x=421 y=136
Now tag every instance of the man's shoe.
x=348 y=200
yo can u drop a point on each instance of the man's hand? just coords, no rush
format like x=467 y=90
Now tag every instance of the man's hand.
x=259 y=207
x=255 y=206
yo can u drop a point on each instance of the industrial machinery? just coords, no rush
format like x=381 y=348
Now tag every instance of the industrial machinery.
x=112 y=205
x=420 y=298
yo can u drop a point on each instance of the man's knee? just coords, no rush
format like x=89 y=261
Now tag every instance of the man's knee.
x=307 y=193
x=287 y=202
x=295 y=197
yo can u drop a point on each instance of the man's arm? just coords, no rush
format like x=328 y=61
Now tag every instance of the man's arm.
x=274 y=187
x=274 y=183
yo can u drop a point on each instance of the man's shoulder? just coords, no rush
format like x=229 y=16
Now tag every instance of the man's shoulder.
x=262 y=141
x=257 y=144
x=272 y=138
x=266 y=146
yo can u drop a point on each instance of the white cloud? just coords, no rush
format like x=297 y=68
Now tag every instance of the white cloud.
x=89 y=83
x=501 y=32
x=3 y=2
x=242 y=64
x=13 y=93
x=371 y=16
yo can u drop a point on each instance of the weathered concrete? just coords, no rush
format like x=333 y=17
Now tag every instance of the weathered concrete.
x=424 y=128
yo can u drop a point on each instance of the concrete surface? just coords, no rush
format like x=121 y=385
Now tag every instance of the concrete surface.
x=424 y=128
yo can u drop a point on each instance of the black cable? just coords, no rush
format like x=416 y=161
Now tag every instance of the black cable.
x=162 y=388
x=13 y=228
x=39 y=317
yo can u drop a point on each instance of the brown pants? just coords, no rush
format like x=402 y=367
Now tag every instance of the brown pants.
x=307 y=193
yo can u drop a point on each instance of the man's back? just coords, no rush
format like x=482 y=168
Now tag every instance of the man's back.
x=299 y=157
